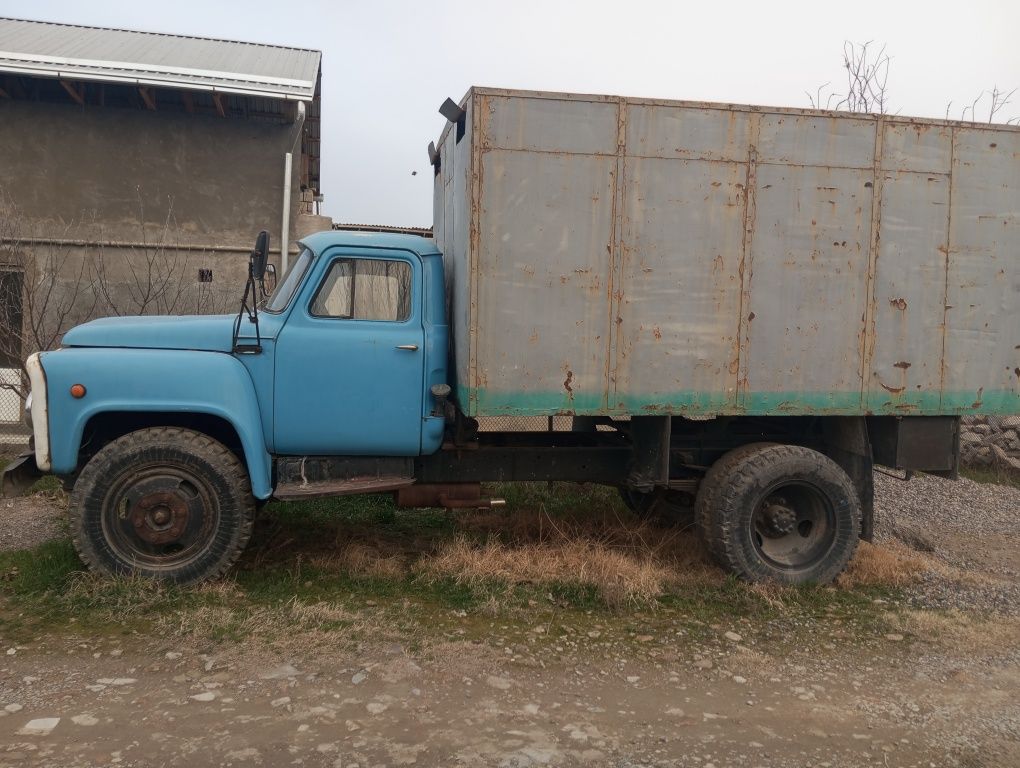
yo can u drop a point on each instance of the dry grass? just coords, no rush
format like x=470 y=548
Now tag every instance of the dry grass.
x=889 y=565
x=274 y=622
x=624 y=559
x=365 y=560
x=618 y=577
x=960 y=632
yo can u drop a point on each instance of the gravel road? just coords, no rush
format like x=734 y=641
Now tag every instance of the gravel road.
x=970 y=529
x=29 y=521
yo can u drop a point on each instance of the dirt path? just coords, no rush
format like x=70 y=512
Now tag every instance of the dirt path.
x=891 y=703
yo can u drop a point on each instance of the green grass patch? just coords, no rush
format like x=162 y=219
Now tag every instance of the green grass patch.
x=47 y=568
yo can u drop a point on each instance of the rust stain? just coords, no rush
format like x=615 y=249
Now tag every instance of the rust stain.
x=900 y=304
x=657 y=333
x=751 y=317
x=567 y=382
x=893 y=390
x=901 y=364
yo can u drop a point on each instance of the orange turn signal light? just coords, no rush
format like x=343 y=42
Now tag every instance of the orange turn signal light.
x=78 y=391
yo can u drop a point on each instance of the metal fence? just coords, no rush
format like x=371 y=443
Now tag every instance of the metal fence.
x=10 y=397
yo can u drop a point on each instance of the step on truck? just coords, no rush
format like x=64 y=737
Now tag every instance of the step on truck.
x=741 y=309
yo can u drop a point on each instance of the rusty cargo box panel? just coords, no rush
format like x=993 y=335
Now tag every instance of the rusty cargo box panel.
x=620 y=256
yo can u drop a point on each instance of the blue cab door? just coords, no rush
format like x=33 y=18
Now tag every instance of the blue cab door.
x=349 y=367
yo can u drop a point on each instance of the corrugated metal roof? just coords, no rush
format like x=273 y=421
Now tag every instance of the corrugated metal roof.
x=45 y=49
x=384 y=228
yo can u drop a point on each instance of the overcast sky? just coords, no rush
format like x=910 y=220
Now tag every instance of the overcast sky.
x=388 y=64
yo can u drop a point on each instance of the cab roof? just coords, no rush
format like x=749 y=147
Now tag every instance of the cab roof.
x=319 y=241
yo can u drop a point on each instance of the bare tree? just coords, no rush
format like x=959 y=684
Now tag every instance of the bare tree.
x=49 y=287
x=154 y=283
x=50 y=284
x=867 y=73
x=867 y=77
x=997 y=101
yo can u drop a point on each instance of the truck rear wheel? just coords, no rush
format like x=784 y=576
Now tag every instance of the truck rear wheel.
x=781 y=513
x=162 y=503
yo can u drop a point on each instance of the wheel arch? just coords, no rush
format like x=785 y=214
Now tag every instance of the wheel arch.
x=129 y=389
x=105 y=426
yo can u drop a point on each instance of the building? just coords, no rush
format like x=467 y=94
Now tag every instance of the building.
x=138 y=169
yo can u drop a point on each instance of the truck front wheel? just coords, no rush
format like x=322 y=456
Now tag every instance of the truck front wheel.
x=781 y=513
x=162 y=503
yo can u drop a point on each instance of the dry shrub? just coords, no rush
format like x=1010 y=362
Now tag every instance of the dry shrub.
x=618 y=577
x=890 y=565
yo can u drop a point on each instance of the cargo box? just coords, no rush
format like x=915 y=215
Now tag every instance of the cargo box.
x=623 y=256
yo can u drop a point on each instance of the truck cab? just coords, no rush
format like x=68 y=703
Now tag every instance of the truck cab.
x=358 y=333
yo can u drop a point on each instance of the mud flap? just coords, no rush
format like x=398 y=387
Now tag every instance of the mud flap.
x=19 y=476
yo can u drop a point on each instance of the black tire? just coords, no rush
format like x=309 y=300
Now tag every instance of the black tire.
x=782 y=513
x=162 y=503
x=666 y=506
x=717 y=477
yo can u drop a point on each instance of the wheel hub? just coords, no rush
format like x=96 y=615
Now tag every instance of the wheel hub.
x=780 y=519
x=159 y=517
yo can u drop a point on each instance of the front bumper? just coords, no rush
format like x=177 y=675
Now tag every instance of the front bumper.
x=19 y=476
x=40 y=411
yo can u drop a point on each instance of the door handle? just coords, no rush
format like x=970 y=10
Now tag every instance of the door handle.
x=408 y=347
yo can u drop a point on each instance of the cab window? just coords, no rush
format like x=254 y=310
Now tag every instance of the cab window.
x=280 y=298
x=365 y=289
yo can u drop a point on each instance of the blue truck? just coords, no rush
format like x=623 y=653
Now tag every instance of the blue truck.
x=742 y=310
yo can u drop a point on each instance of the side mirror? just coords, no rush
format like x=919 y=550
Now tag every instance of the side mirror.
x=260 y=255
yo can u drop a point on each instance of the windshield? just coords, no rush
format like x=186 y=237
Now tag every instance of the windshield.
x=280 y=298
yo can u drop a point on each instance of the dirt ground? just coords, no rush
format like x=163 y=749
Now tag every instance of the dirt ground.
x=919 y=687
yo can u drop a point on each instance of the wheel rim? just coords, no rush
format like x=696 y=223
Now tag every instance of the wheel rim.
x=161 y=518
x=793 y=527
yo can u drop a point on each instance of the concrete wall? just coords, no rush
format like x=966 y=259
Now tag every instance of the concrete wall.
x=224 y=176
x=109 y=204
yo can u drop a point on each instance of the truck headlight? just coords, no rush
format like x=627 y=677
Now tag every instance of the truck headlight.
x=28 y=409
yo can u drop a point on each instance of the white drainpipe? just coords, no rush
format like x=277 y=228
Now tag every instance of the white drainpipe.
x=288 y=165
